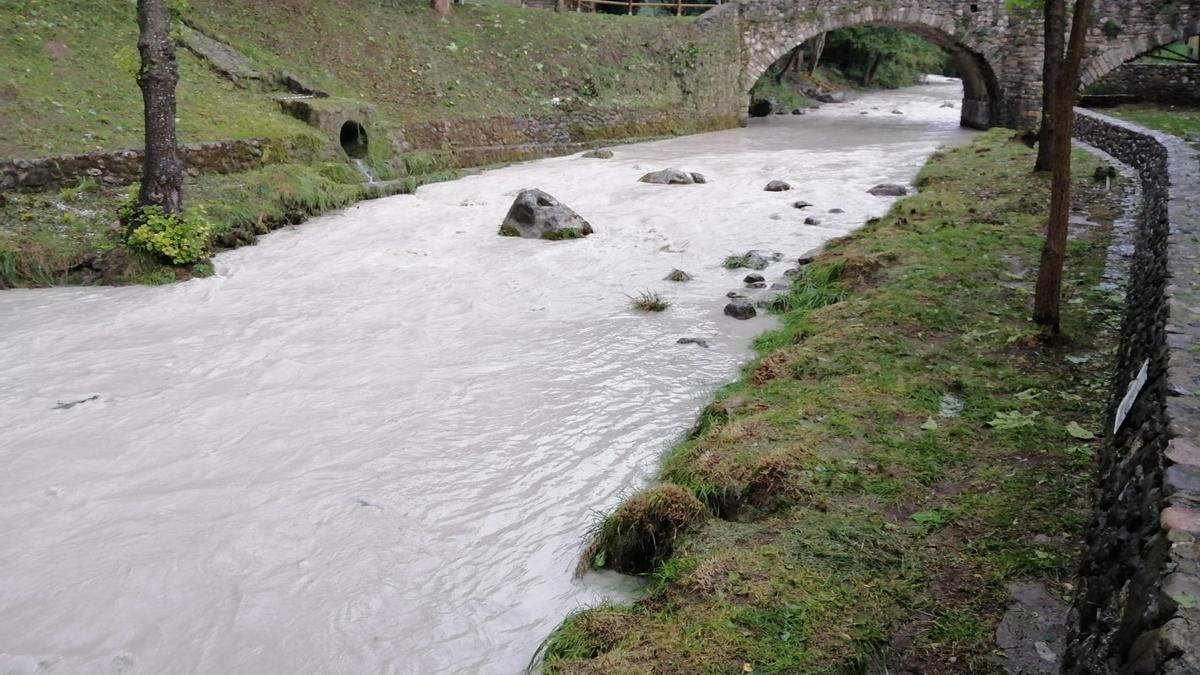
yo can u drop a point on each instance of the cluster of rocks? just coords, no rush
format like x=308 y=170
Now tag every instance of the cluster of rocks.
x=763 y=107
x=537 y=215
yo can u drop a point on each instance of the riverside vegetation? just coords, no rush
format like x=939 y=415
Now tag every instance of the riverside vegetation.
x=70 y=88
x=903 y=447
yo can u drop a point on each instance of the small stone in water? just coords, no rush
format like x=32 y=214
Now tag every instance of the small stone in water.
x=741 y=310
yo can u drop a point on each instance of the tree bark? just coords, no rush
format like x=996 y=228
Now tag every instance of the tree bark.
x=162 y=173
x=440 y=7
x=818 y=46
x=869 y=72
x=795 y=58
x=1055 y=33
x=1048 y=294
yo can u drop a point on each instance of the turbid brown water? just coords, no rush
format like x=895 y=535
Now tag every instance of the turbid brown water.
x=372 y=443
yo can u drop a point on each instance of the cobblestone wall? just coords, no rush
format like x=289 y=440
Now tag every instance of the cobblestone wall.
x=1137 y=608
x=1175 y=83
x=123 y=167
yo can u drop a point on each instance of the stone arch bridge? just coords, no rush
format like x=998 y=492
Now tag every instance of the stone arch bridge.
x=996 y=45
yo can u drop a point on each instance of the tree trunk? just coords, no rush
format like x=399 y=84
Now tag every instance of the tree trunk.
x=162 y=173
x=795 y=57
x=869 y=72
x=1055 y=32
x=560 y=5
x=440 y=7
x=1048 y=295
x=817 y=46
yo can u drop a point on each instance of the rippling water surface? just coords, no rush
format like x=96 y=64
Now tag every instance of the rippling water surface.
x=371 y=443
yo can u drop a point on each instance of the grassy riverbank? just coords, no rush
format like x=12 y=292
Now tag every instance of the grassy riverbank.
x=1181 y=121
x=71 y=89
x=903 y=447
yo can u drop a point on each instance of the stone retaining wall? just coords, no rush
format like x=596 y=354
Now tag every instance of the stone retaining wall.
x=468 y=143
x=1137 y=608
x=1171 y=83
x=123 y=167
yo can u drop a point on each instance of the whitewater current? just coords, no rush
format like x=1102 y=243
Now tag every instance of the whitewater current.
x=372 y=443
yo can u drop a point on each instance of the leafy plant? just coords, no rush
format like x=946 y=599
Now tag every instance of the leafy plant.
x=1076 y=431
x=1012 y=419
x=181 y=238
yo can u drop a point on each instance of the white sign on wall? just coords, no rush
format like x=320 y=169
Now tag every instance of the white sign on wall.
x=1131 y=395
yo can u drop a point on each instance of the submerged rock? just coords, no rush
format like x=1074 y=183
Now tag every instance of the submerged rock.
x=811 y=221
x=778 y=186
x=753 y=278
x=836 y=211
x=888 y=190
x=740 y=310
x=692 y=341
x=668 y=177
x=598 y=154
x=758 y=259
x=698 y=178
x=537 y=215
x=831 y=97
x=801 y=204
x=678 y=275
x=798 y=111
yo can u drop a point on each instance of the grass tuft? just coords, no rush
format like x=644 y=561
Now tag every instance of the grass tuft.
x=649 y=301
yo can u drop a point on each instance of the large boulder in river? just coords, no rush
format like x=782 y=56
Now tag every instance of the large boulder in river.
x=536 y=215
x=888 y=190
x=671 y=177
x=778 y=186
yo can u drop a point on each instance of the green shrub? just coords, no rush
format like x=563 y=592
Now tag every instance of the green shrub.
x=181 y=238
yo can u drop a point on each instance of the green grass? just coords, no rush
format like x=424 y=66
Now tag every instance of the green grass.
x=649 y=301
x=56 y=238
x=481 y=61
x=786 y=97
x=1181 y=121
x=68 y=86
x=842 y=509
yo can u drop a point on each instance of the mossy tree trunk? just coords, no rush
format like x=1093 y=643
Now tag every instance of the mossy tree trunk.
x=817 y=45
x=1055 y=33
x=162 y=173
x=1048 y=294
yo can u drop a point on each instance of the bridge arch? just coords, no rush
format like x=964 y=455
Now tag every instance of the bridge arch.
x=1110 y=54
x=771 y=28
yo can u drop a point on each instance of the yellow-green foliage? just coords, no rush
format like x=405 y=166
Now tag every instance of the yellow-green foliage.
x=181 y=238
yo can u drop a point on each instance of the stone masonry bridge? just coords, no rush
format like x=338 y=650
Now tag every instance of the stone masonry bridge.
x=996 y=45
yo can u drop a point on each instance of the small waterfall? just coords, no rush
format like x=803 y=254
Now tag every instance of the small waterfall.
x=365 y=170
